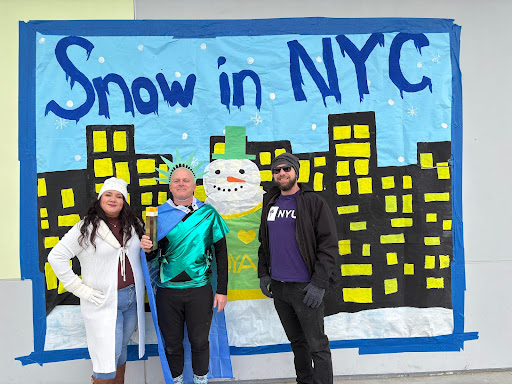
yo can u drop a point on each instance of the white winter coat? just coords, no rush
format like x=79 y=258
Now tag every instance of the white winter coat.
x=100 y=271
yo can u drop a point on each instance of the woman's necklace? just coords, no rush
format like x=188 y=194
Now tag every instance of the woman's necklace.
x=113 y=224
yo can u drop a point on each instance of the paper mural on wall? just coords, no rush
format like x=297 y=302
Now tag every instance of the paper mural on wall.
x=372 y=110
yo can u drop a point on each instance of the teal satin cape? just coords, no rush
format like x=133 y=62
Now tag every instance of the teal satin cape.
x=189 y=242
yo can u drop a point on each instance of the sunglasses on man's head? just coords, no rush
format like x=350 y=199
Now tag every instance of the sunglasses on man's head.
x=275 y=171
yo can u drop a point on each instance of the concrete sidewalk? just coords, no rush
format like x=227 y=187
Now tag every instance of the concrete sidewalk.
x=475 y=377
x=499 y=377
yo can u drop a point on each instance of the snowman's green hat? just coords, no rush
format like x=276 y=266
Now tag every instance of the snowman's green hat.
x=235 y=145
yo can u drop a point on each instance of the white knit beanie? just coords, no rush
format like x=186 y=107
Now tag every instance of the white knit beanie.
x=114 y=184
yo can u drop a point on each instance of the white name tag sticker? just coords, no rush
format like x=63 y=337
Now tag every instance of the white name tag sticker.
x=272 y=213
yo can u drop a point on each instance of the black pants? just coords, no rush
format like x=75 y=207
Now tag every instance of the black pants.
x=304 y=327
x=192 y=306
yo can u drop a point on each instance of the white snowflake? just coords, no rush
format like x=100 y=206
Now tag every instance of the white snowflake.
x=194 y=161
x=61 y=123
x=436 y=59
x=256 y=119
x=413 y=111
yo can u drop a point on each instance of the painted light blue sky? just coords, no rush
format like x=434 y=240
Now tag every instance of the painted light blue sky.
x=401 y=123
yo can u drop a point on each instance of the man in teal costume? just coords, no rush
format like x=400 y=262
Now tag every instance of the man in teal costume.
x=187 y=231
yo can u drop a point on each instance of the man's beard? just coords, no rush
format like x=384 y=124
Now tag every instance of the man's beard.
x=287 y=186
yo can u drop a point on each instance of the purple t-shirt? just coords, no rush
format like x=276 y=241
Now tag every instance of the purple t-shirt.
x=286 y=260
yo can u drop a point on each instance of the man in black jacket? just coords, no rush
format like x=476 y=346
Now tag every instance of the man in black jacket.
x=297 y=263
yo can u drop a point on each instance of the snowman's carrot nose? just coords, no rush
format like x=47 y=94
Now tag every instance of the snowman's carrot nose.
x=235 y=180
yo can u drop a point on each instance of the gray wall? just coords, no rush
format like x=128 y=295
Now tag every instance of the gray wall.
x=485 y=57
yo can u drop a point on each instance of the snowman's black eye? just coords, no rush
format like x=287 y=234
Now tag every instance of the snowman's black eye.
x=217 y=171
x=242 y=171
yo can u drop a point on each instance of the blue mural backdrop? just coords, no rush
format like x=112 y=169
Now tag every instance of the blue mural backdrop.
x=103 y=98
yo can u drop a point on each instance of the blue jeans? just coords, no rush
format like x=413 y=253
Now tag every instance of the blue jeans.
x=304 y=327
x=125 y=326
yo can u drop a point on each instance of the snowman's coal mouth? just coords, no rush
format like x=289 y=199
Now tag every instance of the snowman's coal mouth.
x=224 y=189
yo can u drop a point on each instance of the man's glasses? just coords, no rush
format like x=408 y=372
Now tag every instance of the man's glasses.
x=275 y=171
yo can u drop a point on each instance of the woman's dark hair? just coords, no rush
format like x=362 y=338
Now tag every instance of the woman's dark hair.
x=95 y=213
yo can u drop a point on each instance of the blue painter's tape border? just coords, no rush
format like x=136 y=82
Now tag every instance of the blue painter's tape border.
x=375 y=346
x=29 y=264
x=211 y=28
x=81 y=353
x=255 y=27
x=458 y=265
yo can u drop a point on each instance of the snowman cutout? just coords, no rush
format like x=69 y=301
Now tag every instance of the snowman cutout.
x=232 y=186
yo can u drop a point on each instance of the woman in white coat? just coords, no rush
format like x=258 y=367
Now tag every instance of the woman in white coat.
x=111 y=288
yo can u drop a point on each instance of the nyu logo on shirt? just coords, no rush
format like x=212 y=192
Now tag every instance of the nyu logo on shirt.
x=275 y=212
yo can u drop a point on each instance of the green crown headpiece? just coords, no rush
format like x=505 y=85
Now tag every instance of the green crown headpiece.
x=187 y=164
